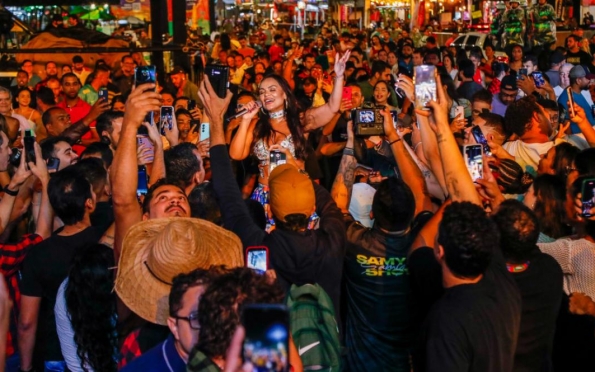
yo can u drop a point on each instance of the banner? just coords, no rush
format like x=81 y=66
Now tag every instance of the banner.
x=197 y=14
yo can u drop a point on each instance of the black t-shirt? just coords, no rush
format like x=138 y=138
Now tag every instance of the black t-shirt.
x=44 y=269
x=541 y=290
x=473 y=327
x=103 y=215
x=579 y=58
x=379 y=332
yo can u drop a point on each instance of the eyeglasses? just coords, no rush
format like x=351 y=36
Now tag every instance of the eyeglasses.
x=513 y=95
x=192 y=319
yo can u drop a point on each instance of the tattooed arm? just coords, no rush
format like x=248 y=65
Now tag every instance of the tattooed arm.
x=458 y=180
x=343 y=185
x=408 y=169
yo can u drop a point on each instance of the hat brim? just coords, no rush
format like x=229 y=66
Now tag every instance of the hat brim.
x=148 y=296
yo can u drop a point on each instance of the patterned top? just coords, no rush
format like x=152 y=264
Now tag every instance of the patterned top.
x=512 y=21
x=262 y=152
x=577 y=259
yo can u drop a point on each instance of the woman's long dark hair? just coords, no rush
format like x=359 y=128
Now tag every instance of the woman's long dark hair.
x=91 y=305
x=550 y=193
x=225 y=41
x=292 y=115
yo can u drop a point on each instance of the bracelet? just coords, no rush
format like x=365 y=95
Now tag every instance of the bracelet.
x=348 y=151
x=10 y=192
x=393 y=142
x=415 y=147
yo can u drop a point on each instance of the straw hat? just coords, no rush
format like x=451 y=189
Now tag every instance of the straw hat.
x=155 y=251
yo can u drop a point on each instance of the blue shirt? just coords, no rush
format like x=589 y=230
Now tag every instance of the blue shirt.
x=162 y=358
x=579 y=100
x=497 y=106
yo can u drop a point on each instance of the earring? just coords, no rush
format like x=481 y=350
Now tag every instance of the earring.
x=285 y=105
x=262 y=110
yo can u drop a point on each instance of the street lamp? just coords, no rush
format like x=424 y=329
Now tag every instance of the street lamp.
x=301 y=6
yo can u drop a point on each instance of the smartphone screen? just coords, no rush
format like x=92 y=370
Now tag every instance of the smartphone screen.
x=276 y=158
x=538 y=79
x=29 y=142
x=257 y=259
x=103 y=94
x=219 y=78
x=570 y=101
x=144 y=75
x=166 y=118
x=474 y=160
x=588 y=196
x=425 y=85
x=266 y=346
x=142 y=187
x=480 y=138
x=205 y=131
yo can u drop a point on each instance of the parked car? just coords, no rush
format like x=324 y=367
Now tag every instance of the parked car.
x=471 y=39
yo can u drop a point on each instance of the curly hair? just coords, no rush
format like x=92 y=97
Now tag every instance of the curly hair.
x=469 y=239
x=519 y=115
x=91 y=304
x=264 y=129
x=519 y=230
x=220 y=308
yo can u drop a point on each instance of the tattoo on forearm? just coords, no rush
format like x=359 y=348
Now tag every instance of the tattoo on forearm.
x=440 y=138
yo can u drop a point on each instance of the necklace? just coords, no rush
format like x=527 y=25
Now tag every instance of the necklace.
x=277 y=115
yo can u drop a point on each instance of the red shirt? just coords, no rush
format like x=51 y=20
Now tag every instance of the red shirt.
x=11 y=258
x=78 y=112
x=276 y=52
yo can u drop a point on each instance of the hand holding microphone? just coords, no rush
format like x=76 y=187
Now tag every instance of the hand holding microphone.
x=249 y=109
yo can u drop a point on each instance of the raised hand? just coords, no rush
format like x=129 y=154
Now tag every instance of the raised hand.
x=340 y=64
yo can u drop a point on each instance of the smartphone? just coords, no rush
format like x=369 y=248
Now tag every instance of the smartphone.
x=29 y=146
x=395 y=115
x=588 y=197
x=257 y=258
x=570 y=101
x=347 y=92
x=205 y=131
x=53 y=164
x=103 y=94
x=145 y=75
x=538 y=79
x=191 y=104
x=142 y=187
x=276 y=158
x=460 y=112
x=424 y=81
x=166 y=118
x=219 y=78
x=481 y=139
x=146 y=141
x=266 y=345
x=474 y=160
x=522 y=72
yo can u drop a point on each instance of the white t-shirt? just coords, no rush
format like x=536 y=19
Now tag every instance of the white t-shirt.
x=527 y=155
x=66 y=333
x=23 y=122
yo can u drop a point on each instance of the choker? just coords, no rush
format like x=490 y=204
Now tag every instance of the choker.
x=277 y=115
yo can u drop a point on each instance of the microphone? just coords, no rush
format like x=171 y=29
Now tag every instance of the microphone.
x=242 y=112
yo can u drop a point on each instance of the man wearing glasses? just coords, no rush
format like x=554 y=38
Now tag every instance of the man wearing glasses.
x=172 y=354
x=508 y=94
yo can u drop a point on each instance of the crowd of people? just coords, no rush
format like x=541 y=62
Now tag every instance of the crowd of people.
x=125 y=235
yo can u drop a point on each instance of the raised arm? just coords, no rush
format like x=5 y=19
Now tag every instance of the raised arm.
x=322 y=115
x=408 y=169
x=288 y=70
x=158 y=166
x=76 y=130
x=240 y=143
x=343 y=184
x=45 y=217
x=8 y=200
x=458 y=180
x=124 y=170
x=583 y=124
